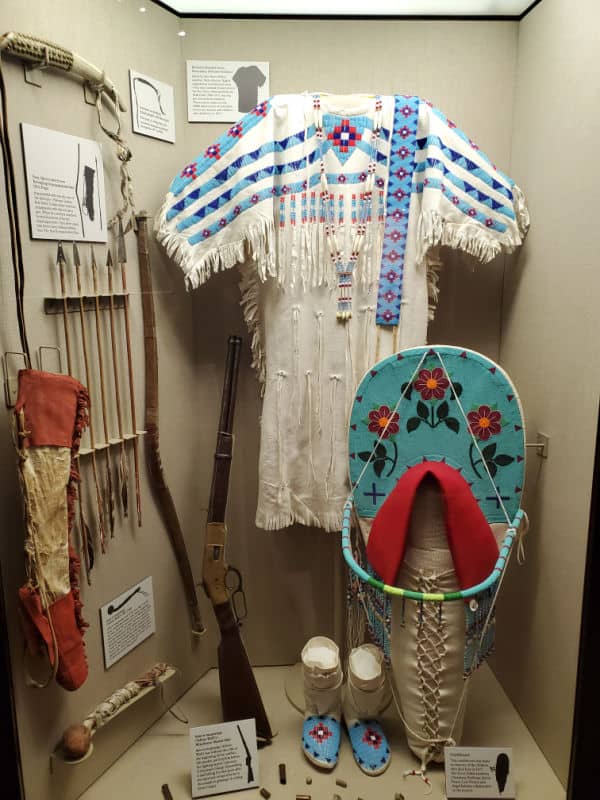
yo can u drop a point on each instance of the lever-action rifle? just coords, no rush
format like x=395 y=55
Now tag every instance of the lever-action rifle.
x=240 y=698
x=248 y=756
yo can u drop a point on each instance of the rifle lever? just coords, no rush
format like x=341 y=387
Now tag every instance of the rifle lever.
x=238 y=596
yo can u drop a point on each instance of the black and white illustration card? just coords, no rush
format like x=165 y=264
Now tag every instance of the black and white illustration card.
x=152 y=107
x=127 y=620
x=223 y=91
x=479 y=772
x=224 y=758
x=65 y=185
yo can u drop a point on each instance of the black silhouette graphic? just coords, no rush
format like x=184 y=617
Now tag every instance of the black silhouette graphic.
x=247 y=80
x=88 y=192
x=112 y=609
x=248 y=756
x=502 y=769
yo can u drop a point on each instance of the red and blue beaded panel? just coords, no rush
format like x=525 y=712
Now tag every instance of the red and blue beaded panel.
x=457 y=406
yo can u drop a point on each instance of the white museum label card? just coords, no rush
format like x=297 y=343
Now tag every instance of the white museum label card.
x=65 y=185
x=479 y=772
x=152 y=107
x=127 y=620
x=224 y=758
x=222 y=91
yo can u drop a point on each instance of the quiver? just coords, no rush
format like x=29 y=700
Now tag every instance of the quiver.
x=50 y=415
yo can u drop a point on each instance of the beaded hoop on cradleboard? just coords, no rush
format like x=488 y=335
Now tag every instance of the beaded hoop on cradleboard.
x=438 y=403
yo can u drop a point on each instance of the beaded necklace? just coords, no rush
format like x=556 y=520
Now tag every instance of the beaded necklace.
x=344 y=268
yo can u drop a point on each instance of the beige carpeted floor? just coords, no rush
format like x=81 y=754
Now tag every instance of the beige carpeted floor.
x=163 y=754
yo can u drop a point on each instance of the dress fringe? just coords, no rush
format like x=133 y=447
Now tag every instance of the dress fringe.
x=249 y=287
x=290 y=255
x=257 y=243
x=330 y=521
x=470 y=238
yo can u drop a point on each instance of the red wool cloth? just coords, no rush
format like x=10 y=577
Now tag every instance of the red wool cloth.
x=49 y=402
x=470 y=537
x=53 y=412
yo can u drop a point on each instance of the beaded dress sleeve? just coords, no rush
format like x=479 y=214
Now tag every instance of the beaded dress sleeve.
x=219 y=210
x=467 y=203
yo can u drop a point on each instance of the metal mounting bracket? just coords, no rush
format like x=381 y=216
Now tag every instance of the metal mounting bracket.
x=89 y=95
x=11 y=379
x=40 y=357
x=542 y=444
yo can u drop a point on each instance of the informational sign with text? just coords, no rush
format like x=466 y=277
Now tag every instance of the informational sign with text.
x=223 y=91
x=127 y=620
x=224 y=758
x=152 y=107
x=65 y=185
x=479 y=772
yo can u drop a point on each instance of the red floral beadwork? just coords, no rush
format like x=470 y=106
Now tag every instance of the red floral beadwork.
x=236 y=130
x=261 y=109
x=382 y=417
x=432 y=383
x=484 y=423
x=214 y=151
x=189 y=171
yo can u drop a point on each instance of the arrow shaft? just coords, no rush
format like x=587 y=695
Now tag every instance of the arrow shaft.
x=88 y=378
x=63 y=291
x=100 y=354
x=109 y=483
x=113 y=344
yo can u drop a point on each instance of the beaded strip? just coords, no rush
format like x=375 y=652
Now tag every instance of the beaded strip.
x=344 y=268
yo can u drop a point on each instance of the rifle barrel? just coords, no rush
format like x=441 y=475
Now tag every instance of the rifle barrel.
x=223 y=453
x=230 y=384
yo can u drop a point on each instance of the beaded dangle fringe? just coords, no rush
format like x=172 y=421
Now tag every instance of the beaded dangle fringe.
x=345 y=269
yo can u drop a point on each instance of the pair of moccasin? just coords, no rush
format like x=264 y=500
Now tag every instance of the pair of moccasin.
x=359 y=701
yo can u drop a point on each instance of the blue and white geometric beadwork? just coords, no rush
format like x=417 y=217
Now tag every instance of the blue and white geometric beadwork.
x=370 y=746
x=321 y=736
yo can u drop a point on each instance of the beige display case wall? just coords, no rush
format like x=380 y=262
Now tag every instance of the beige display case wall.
x=549 y=345
x=293 y=579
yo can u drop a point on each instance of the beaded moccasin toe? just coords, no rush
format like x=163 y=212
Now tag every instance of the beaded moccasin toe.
x=323 y=676
x=365 y=696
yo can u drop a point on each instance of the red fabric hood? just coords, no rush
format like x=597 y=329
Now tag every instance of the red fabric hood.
x=470 y=538
x=50 y=404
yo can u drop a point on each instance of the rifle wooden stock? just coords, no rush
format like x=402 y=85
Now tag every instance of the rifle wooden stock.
x=240 y=698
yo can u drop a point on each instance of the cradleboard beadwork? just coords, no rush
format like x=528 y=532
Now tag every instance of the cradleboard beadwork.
x=437 y=465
